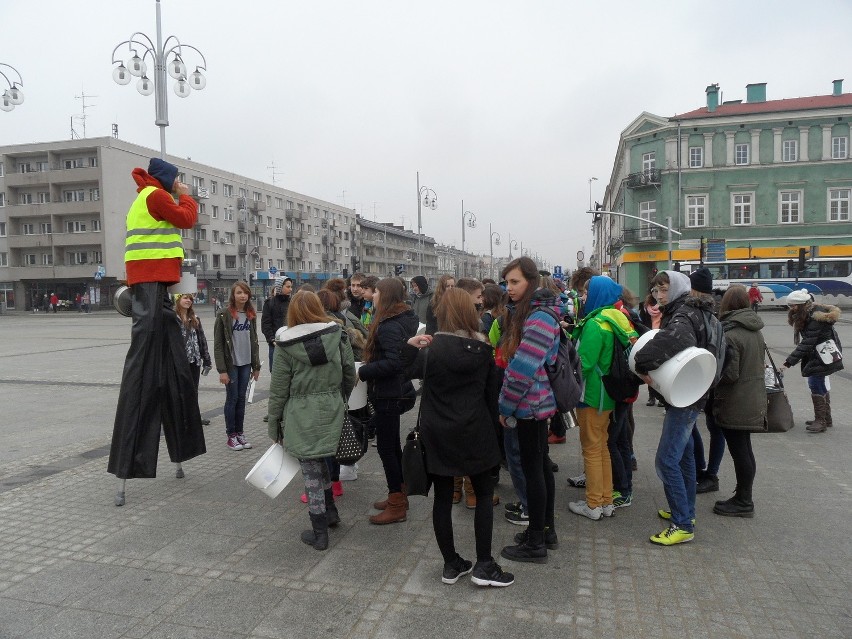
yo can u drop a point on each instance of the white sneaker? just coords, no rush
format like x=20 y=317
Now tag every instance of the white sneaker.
x=579 y=481
x=608 y=510
x=582 y=508
x=348 y=473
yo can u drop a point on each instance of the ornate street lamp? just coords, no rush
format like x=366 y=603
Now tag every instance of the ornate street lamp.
x=491 y=242
x=159 y=54
x=12 y=96
x=429 y=198
x=471 y=222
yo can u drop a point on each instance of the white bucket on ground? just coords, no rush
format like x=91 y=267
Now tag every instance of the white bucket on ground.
x=273 y=471
x=188 y=284
x=358 y=396
x=684 y=378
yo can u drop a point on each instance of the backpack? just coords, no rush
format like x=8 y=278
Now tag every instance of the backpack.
x=716 y=343
x=564 y=374
x=620 y=383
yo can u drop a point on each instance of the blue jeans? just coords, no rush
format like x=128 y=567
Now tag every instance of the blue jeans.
x=817 y=384
x=235 y=399
x=675 y=464
x=513 y=464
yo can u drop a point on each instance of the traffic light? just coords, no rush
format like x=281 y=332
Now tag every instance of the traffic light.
x=345 y=273
x=218 y=275
x=803 y=256
x=251 y=279
x=399 y=269
x=356 y=264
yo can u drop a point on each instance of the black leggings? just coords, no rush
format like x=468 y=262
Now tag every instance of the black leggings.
x=483 y=517
x=389 y=448
x=745 y=467
x=538 y=471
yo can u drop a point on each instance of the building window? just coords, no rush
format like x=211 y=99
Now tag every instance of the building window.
x=96 y=225
x=838 y=204
x=268 y=242
x=77 y=195
x=75 y=227
x=46 y=228
x=230 y=261
x=27 y=229
x=43 y=197
x=279 y=243
x=229 y=238
x=184 y=233
x=214 y=187
x=279 y=203
x=790 y=207
x=696 y=210
x=30 y=259
x=742 y=205
x=215 y=260
x=2 y=170
x=215 y=212
x=47 y=259
x=97 y=258
x=94 y=194
x=93 y=162
x=202 y=208
x=2 y=199
x=229 y=215
x=790 y=151
x=228 y=190
x=279 y=223
x=215 y=236
x=76 y=163
x=4 y=259
x=741 y=154
x=25 y=198
x=649 y=161
x=696 y=157
x=78 y=257
x=839 y=148
x=2 y=229
x=242 y=193
x=197 y=182
x=42 y=166
x=647 y=211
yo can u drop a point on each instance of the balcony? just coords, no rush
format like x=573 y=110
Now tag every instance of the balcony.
x=241 y=226
x=203 y=218
x=261 y=228
x=95 y=238
x=242 y=249
x=29 y=241
x=633 y=236
x=31 y=178
x=201 y=245
x=293 y=214
x=296 y=234
x=642 y=179
x=53 y=208
x=291 y=253
x=257 y=206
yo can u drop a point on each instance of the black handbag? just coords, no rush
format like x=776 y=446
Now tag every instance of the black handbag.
x=413 y=454
x=779 y=414
x=353 y=440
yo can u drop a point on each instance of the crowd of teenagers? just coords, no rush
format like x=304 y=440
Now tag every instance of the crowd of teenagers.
x=486 y=398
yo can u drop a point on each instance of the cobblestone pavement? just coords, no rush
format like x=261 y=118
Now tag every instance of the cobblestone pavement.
x=208 y=556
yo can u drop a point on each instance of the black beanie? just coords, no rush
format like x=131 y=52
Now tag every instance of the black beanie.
x=702 y=280
x=163 y=172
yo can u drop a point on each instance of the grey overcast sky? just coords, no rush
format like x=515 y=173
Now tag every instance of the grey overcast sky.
x=509 y=106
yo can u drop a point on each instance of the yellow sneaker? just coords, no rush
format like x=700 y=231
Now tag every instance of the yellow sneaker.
x=667 y=515
x=671 y=536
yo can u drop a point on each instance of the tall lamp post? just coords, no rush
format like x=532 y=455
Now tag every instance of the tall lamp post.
x=468 y=219
x=491 y=242
x=591 y=179
x=12 y=96
x=176 y=68
x=423 y=197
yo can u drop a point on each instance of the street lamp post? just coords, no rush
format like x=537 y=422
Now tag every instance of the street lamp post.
x=176 y=68
x=491 y=242
x=667 y=226
x=591 y=179
x=423 y=193
x=468 y=219
x=12 y=96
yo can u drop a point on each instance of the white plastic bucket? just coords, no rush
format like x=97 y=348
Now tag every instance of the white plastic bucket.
x=188 y=284
x=358 y=396
x=684 y=378
x=273 y=471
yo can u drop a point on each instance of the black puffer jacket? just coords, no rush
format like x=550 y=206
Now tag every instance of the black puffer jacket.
x=274 y=315
x=681 y=326
x=818 y=328
x=384 y=372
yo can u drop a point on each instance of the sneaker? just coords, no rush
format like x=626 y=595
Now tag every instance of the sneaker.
x=489 y=573
x=622 y=501
x=518 y=517
x=667 y=515
x=672 y=535
x=555 y=439
x=651 y=402
x=615 y=495
x=336 y=489
x=551 y=540
x=455 y=569
x=234 y=443
x=582 y=508
x=634 y=464
x=205 y=422
x=707 y=484
x=266 y=418
x=514 y=506
x=579 y=481
x=349 y=473
x=607 y=510
x=241 y=438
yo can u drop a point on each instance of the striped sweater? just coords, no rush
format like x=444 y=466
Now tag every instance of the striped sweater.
x=526 y=391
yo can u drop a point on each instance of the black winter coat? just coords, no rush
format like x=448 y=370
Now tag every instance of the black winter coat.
x=458 y=406
x=384 y=372
x=819 y=327
x=681 y=326
x=274 y=316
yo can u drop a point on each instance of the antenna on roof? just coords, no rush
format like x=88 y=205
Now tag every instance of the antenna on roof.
x=274 y=172
x=82 y=117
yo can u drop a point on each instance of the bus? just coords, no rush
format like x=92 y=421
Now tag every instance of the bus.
x=829 y=280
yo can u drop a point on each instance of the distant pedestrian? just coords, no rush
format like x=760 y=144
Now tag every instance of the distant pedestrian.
x=420 y=297
x=755 y=297
x=54 y=302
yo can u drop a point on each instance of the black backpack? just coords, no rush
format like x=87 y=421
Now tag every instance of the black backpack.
x=716 y=343
x=565 y=375
x=620 y=383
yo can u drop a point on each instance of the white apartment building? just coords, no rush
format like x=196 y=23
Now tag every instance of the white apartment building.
x=62 y=216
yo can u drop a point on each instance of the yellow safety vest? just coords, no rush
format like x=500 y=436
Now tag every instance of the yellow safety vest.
x=147 y=238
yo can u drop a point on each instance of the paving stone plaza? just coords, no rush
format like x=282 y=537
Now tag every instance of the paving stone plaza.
x=208 y=556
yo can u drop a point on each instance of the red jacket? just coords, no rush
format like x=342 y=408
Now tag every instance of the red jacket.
x=161 y=206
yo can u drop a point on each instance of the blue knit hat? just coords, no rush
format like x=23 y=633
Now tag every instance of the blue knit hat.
x=164 y=172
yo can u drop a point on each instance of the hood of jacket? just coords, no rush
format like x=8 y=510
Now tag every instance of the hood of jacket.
x=143 y=179
x=679 y=285
x=602 y=291
x=460 y=354
x=825 y=313
x=408 y=318
x=744 y=317
x=545 y=298
x=313 y=343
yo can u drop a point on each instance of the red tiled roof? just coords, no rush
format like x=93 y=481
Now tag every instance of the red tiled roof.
x=770 y=106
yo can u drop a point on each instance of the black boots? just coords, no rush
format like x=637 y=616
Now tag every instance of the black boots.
x=531 y=550
x=551 y=541
x=332 y=516
x=318 y=535
x=707 y=483
x=740 y=505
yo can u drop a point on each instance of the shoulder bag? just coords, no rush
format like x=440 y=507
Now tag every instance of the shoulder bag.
x=779 y=415
x=413 y=454
x=353 y=440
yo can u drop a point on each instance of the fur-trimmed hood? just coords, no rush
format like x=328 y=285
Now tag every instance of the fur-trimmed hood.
x=826 y=313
